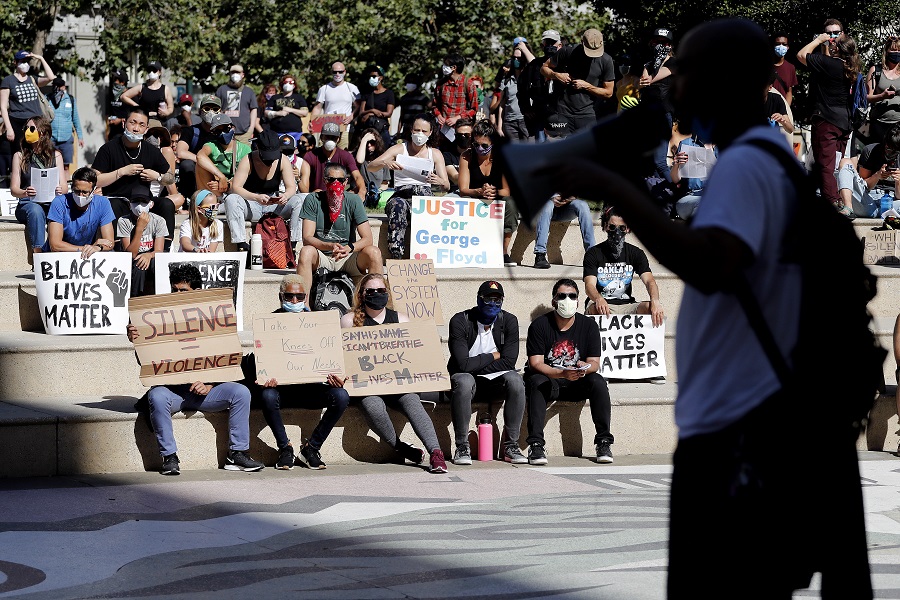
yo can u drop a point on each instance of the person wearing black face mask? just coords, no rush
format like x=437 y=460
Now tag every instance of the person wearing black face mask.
x=534 y=90
x=217 y=159
x=883 y=80
x=453 y=150
x=484 y=348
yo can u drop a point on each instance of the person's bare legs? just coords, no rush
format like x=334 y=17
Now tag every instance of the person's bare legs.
x=369 y=260
x=308 y=262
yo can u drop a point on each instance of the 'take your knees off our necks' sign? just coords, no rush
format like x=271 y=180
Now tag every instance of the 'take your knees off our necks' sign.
x=83 y=296
x=297 y=348
x=457 y=232
x=630 y=347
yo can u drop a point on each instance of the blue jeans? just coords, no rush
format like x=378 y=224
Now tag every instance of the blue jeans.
x=307 y=395
x=661 y=167
x=34 y=217
x=550 y=212
x=168 y=400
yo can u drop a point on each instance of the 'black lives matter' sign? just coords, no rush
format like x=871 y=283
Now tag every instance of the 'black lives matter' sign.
x=631 y=347
x=217 y=270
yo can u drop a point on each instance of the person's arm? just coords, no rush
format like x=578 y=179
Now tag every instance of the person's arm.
x=105 y=179
x=464 y=189
x=387 y=159
x=504 y=190
x=183 y=151
x=240 y=178
x=471 y=101
x=605 y=91
x=789 y=96
x=805 y=50
x=60 y=165
x=15 y=179
x=680 y=159
x=548 y=71
x=873 y=177
x=170 y=103
x=508 y=355
x=526 y=53
x=48 y=72
x=4 y=113
x=656 y=310
x=439 y=176
x=128 y=95
x=386 y=114
x=872 y=85
x=76 y=122
x=317 y=109
x=287 y=178
x=309 y=233
x=133 y=244
x=590 y=288
x=254 y=118
x=303 y=184
x=459 y=347
x=363 y=236
x=361 y=151
x=220 y=182
x=453 y=174
x=347 y=320
x=358 y=180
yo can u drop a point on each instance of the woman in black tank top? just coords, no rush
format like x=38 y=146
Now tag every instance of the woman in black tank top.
x=369 y=310
x=152 y=96
x=257 y=184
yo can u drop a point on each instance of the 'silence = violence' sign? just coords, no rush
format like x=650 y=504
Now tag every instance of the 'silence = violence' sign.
x=186 y=337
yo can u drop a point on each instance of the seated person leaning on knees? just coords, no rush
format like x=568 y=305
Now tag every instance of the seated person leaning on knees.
x=312 y=170
x=564 y=364
x=80 y=221
x=421 y=143
x=166 y=400
x=159 y=137
x=370 y=309
x=201 y=231
x=218 y=159
x=255 y=190
x=336 y=231
x=858 y=176
x=481 y=177
x=143 y=234
x=37 y=152
x=609 y=270
x=329 y=395
x=693 y=186
x=484 y=348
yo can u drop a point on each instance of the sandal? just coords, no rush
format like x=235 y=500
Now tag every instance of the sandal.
x=847 y=212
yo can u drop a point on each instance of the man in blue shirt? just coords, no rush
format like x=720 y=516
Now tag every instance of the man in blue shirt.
x=64 y=122
x=80 y=221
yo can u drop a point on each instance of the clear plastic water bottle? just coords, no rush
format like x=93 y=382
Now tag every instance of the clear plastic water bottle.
x=887 y=203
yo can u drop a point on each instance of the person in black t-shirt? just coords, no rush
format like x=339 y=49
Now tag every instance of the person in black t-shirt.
x=378 y=106
x=534 y=90
x=285 y=111
x=563 y=364
x=656 y=83
x=454 y=150
x=413 y=102
x=609 y=270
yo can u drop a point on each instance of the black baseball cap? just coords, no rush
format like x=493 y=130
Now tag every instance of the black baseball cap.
x=269 y=145
x=491 y=288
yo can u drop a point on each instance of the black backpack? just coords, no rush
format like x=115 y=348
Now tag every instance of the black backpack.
x=835 y=399
x=332 y=290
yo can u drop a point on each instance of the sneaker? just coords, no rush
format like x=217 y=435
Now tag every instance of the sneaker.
x=658 y=380
x=512 y=454
x=170 y=465
x=604 y=454
x=508 y=261
x=239 y=460
x=286 y=458
x=410 y=453
x=462 y=456
x=312 y=457
x=536 y=454
x=438 y=464
x=540 y=261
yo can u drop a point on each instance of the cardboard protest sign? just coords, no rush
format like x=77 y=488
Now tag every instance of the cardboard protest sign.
x=217 y=270
x=83 y=296
x=413 y=288
x=187 y=337
x=316 y=123
x=880 y=248
x=298 y=347
x=394 y=359
x=457 y=232
x=631 y=347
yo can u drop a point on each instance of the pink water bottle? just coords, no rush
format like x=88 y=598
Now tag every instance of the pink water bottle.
x=485 y=438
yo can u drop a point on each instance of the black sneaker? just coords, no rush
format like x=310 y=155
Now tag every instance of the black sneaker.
x=170 y=465
x=540 y=261
x=286 y=458
x=411 y=453
x=462 y=456
x=604 y=454
x=512 y=454
x=312 y=457
x=536 y=455
x=239 y=460
x=508 y=261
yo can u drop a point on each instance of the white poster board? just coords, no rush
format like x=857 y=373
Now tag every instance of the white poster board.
x=700 y=162
x=631 y=347
x=45 y=182
x=217 y=270
x=298 y=347
x=83 y=296
x=457 y=233
x=8 y=203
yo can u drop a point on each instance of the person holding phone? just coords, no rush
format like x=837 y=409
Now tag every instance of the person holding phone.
x=859 y=176
x=883 y=81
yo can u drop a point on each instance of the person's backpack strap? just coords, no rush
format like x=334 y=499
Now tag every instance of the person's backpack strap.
x=195 y=135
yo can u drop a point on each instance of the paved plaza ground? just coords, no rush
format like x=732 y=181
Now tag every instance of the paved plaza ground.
x=570 y=530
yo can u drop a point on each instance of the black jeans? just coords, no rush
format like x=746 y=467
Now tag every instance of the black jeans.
x=541 y=390
x=308 y=395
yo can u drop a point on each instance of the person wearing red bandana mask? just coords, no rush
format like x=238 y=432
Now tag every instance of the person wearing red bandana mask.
x=336 y=230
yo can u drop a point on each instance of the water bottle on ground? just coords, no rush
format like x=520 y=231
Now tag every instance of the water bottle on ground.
x=485 y=438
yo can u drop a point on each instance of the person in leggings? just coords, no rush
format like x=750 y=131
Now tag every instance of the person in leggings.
x=370 y=309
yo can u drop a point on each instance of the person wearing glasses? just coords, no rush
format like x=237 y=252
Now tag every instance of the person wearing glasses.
x=338 y=97
x=312 y=172
x=336 y=230
x=370 y=309
x=564 y=364
x=218 y=159
x=80 y=221
x=609 y=271
x=484 y=348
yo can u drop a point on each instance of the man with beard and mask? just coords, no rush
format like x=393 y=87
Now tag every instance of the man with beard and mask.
x=239 y=103
x=287 y=110
x=271 y=396
x=564 y=364
x=218 y=159
x=609 y=270
x=462 y=141
x=534 y=89
x=80 y=221
x=192 y=139
x=338 y=97
x=64 y=122
x=256 y=190
x=730 y=520
x=312 y=171
x=116 y=110
x=336 y=231
x=656 y=83
x=484 y=348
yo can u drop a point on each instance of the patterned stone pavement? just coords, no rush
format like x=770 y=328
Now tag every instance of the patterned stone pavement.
x=571 y=530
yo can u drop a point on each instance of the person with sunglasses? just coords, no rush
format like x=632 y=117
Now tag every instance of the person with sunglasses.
x=201 y=232
x=218 y=159
x=609 y=271
x=192 y=140
x=484 y=348
x=80 y=221
x=329 y=395
x=338 y=97
x=564 y=364
x=370 y=309
x=453 y=151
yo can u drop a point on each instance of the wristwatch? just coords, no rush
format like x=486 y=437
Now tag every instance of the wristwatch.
x=159 y=179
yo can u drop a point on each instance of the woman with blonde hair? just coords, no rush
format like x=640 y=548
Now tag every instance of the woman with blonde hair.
x=370 y=309
x=202 y=232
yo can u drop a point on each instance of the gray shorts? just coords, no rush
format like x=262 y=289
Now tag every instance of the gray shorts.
x=346 y=264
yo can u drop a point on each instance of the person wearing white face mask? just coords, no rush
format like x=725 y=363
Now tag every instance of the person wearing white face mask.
x=785 y=72
x=143 y=234
x=192 y=140
x=376 y=108
x=287 y=110
x=153 y=96
x=19 y=94
x=564 y=364
x=312 y=170
x=338 y=97
x=80 y=221
x=455 y=95
x=239 y=103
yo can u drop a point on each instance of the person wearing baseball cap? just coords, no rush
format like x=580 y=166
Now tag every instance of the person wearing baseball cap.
x=484 y=348
x=192 y=139
x=183 y=116
x=312 y=170
x=19 y=98
x=534 y=93
x=586 y=74
x=217 y=159
x=655 y=83
x=239 y=103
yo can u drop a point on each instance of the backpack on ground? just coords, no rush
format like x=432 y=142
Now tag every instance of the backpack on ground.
x=332 y=290
x=278 y=252
x=833 y=399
